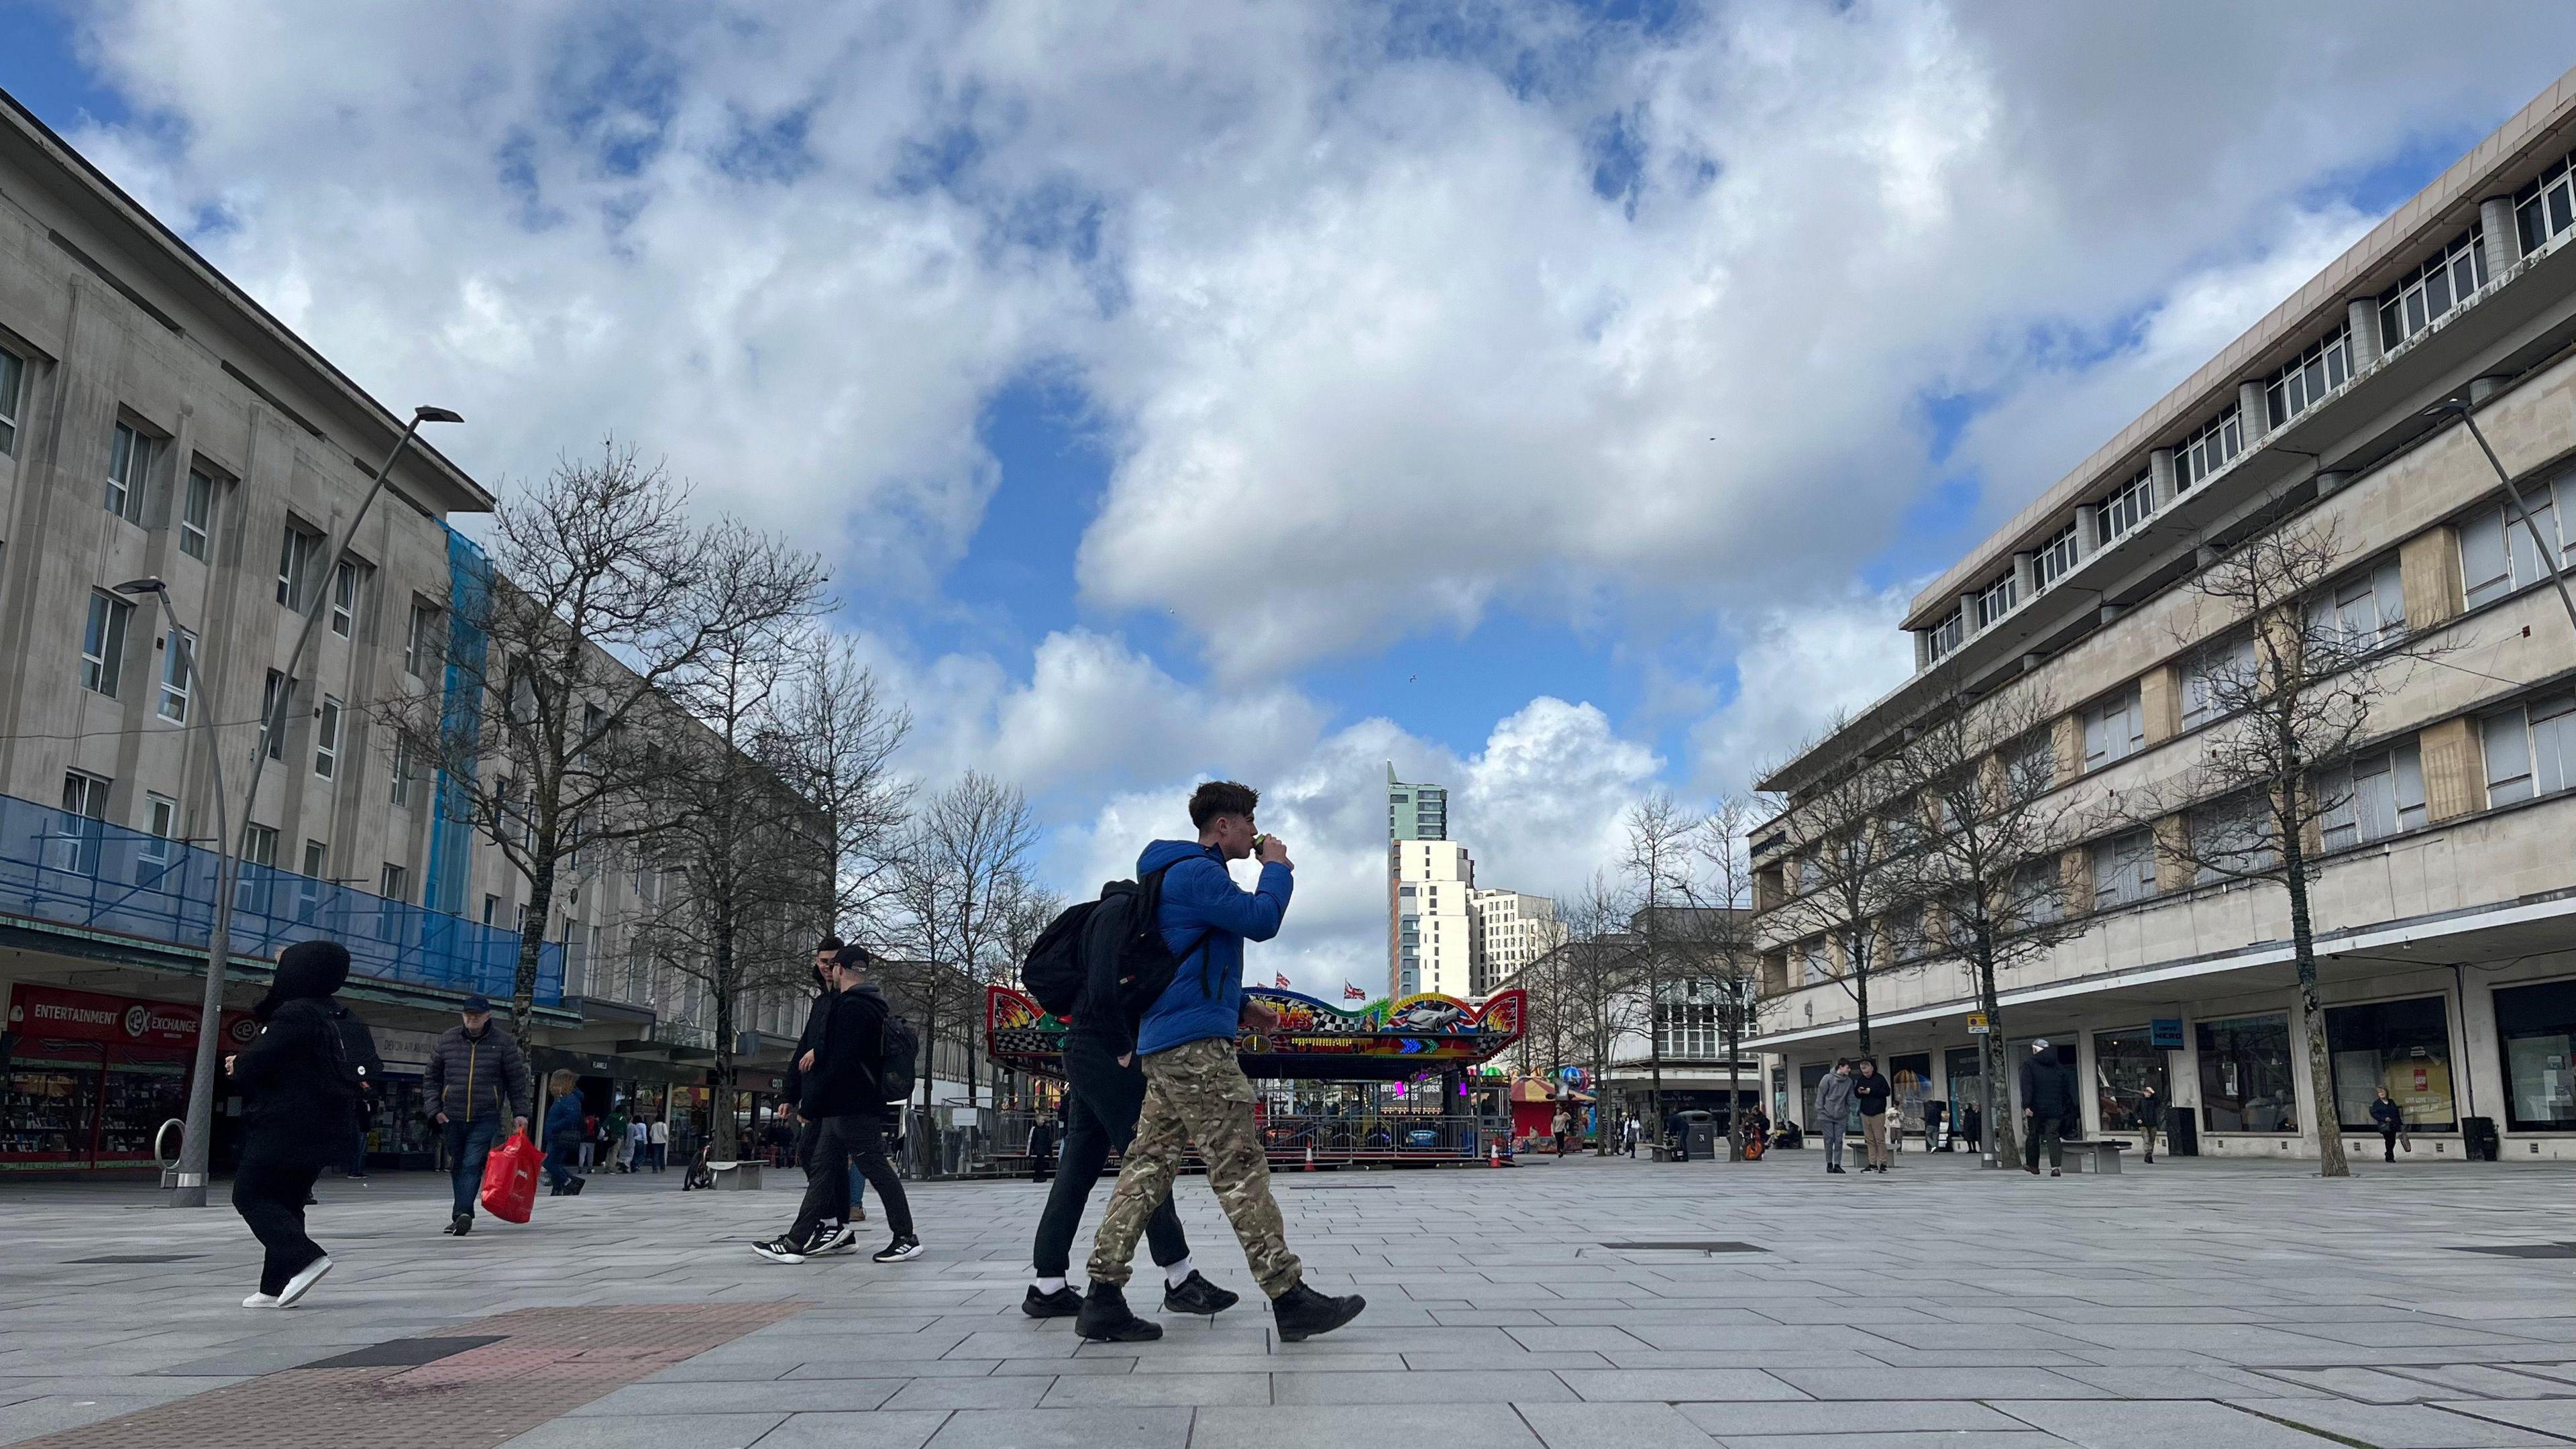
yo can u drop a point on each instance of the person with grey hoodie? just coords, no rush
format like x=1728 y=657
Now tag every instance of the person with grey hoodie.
x=1833 y=1112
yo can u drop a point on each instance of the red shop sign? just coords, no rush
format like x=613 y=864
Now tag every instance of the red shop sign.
x=51 y=1011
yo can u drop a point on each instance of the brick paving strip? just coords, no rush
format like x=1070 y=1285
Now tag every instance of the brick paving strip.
x=540 y=1364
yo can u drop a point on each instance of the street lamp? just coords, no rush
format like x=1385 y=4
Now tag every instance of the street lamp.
x=196 y=1145
x=2547 y=551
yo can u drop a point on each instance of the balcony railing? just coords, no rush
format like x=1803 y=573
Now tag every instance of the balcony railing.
x=63 y=870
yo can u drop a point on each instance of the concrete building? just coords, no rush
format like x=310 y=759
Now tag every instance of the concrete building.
x=155 y=420
x=2446 y=903
x=1415 y=812
x=1512 y=929
x=1434 y=885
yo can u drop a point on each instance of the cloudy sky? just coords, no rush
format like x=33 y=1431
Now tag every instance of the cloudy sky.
x=1555 y=399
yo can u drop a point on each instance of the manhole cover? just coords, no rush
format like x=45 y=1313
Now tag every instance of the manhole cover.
x=2529 y=1250
x=1712 y=1247
x=402 y=1352
x=142 y=1258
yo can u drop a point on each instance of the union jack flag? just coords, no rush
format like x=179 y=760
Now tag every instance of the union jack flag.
x=1279 y=980
x=1353 y=993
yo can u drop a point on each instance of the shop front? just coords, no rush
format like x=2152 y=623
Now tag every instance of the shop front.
x=2536 y=1028
x=87 y=1079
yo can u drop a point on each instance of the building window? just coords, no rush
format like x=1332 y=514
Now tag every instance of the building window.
x=1994 y=601
x=2362 y=612
x=317 y=860
x=2233 y=838
x=272 y=725
x=299 y=555
x=259 y=845
x=2125 y=1063
x=13 y=382
x=2429 y=293
x=1951 y=633
x=2245 y=1082
x=196 y=516
x=491 y=910
x=178 y=659
x=103 y=643
x=2545 y=208
x=420 y=640
x=2202 y=455
x=326 y=739
x=2124 y=869
x=2537 y=1025
x=2304 y=380
x=2497 y=555
x=344 y=598
x=2404 y=1046
x=2372 y=798
x=2114 y=729
x=2129 y=507
x=404 y=767
x=2215 y=676
x=129 y=463
x=2056 y=556
x=2531 y=749
x=161 y=829
x=76 y=845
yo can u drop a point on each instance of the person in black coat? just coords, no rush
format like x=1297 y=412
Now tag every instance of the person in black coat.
x=841 y=1092
x=2151 y=1117
x=300 y=1105
x=2391 y=1120
x=2048 y=1106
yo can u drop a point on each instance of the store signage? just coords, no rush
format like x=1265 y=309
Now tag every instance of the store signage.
x=1977 y=1024
x=51 y=1011
x=2165 y=1033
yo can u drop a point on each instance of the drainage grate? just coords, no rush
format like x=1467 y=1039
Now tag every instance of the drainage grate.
x=1712 y=1247
x=402 y=1353
x=2529 y=1250
x=143 y=1258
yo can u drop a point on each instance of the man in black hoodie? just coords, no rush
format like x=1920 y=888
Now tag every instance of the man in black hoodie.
x=2048 y=1106
x=843 y=1096
x=300 y=1103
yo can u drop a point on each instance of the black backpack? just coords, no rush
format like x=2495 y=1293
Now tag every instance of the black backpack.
x=353 y=1052
x=1058 y=967
x=895 y=1078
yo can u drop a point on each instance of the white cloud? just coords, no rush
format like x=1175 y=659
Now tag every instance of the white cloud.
x=1795 y=669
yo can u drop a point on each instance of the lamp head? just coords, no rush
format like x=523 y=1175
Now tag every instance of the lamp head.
x=147 y=585
x=2447 y=407
x=428 y=414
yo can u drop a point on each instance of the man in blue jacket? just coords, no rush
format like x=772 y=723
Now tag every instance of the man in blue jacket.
x=1194 y=1087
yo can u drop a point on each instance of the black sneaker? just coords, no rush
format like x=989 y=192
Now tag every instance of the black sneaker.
x=1301 y=1312
x=901 y=1250
x=1106 y=1319
x=781 y=1249
x=1062 y=1303
x=831 y=1242
x=1199 y=1296
x=461 y=1224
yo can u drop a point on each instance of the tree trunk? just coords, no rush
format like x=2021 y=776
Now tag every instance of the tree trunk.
x=2312 y=1017
x=721 y=1143
x=1998 y=1097
x=1860 y=988
x=1734 y=1093
x=532 y=941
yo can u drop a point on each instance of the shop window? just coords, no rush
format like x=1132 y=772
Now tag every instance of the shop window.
x=2538 y=1027
x=1963 y=1077
x=2245 y=1080
x=2125 y=1063
x=2404 y=1046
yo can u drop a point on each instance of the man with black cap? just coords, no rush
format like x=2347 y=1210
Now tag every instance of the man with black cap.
x=2048 y=1107
x=477 y=1077
x=299 y=1082
x=842 y=1093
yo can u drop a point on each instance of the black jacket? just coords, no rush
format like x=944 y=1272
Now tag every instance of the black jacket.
x=795 y=1092
x=2048 y=1088
x=1871 y=1093
x=2151 y=1112
x=2386 y=1114
x=474 y=1077
x=298 y=1109
x=848 y=1031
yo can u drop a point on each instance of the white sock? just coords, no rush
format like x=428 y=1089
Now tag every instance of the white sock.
x=1050 y=1285
x=1178 y=1273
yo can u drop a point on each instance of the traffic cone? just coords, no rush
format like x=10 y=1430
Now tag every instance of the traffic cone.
x=1493 y=1154
x=1310 y=1157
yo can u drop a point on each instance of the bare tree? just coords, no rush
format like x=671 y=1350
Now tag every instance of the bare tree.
x=2293 y=678
x=1659 y=831
x=959 y=873
x=1025 y=917
x=1839 y=883
x=832 y=736
x=1983 y=837
x=600 y=601
x=1598 y=975
x=1713 y=879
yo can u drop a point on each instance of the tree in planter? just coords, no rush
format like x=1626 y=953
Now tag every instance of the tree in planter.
x=1840 y=881
x=960 y=872
x=1983 y=872
x=2296 y=669
x=601 y=601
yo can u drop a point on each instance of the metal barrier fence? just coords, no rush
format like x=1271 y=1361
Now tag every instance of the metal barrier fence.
x=72 y=871
x=962 y=1142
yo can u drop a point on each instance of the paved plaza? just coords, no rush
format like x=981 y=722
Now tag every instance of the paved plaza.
x=1575 y=1305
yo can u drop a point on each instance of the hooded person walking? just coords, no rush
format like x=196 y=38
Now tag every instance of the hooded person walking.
x=298 y=1080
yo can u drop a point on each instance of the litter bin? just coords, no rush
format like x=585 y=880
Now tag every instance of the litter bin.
x=2182 y=1132
x=2478 y=1136
x=1699 y=1135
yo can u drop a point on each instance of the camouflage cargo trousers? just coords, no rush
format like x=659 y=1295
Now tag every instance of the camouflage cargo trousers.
x=1196 y=1092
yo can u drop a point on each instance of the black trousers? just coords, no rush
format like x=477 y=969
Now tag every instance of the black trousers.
x=2051 y=1128
x=2388 y=1140
x=1102 y=1102
x=270 y=1195
x=838 y=1143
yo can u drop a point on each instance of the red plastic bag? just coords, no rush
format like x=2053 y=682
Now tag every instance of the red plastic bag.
x=510 y=1179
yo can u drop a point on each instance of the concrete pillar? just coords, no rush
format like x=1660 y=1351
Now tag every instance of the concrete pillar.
x=2253 y=415
x=2173 y=873
x=2361 y=316
x=2428 y=570
x=2088 y=530
x=2160 y=476
x=2067 y=735
x=2455 y=769
x=1968 y=615
x=2331 y=482
x=2160 y=703
x=2499 y=234
x=2075 y=879
x=1922 y=650
x=2025 y=575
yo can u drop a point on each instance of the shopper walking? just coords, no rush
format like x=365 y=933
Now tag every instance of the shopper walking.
x=299 y=1083
x=477 y=1079
x=843 y=1092
x=639 y=1143
x=657 y=1136
x=1194 y=1087
x=1870 y=1090
x=2390 y=1119
x=2151 y=1118
x=1628 y=1130
x=614 y=1138
x=1833 y=1112
x=2048 y=1107
x=563 y=1134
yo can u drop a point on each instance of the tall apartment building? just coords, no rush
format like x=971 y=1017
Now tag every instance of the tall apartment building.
x=1512 y=929
x=1435 y=918
x=156 y=421
x=2446 y=899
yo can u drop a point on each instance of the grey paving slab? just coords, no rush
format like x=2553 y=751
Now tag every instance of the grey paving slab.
x=1806 y=1418
x=2157 y=1425
x=1630 y=1426
x=786 y=1396
x=2549 y=1416
x=1903 y=1439
x=1022 y=1392
x=2404 y=1426
x=895 y=1429
x=1925 y=1383
x=1674 y=1386
x=661 y=1431
x=1127 y=1428
x=1159 y=1389
x=1457 y=1385
x=1304 y=1426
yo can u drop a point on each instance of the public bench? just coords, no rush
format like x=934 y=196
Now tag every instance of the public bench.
x=2096 y=1154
